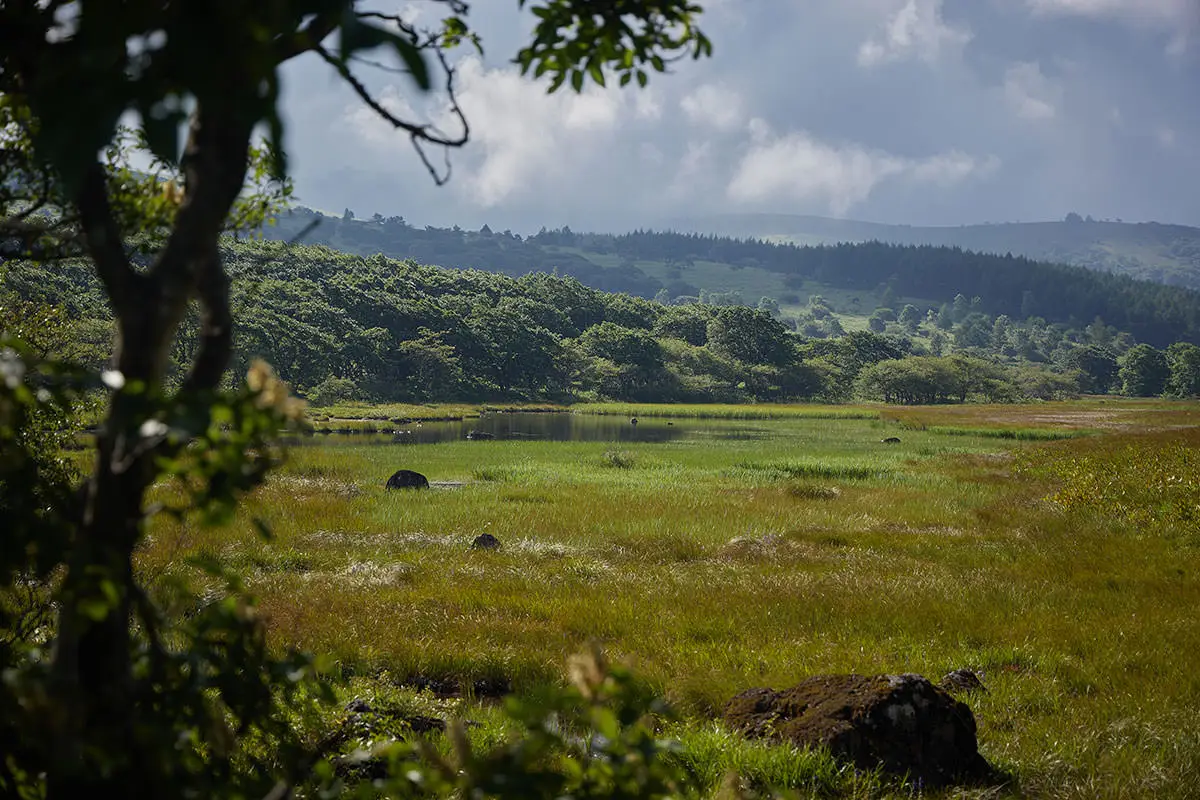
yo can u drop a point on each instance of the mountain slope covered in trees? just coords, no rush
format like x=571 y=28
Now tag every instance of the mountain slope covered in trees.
x=674 y=266
x=1146 y=250
x=340 y=326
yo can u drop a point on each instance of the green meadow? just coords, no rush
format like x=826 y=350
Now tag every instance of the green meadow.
x=1053 y=547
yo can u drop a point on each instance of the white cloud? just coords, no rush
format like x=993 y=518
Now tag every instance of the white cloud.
x=646 y=104
x=799 y=167
x=522 y=139
x=1029 y=93
x=713 y=104
x=524 y=134
x=367 y=124
x=697 y=168
x=916 y=30
x=1152 y=12
x=1179 y=18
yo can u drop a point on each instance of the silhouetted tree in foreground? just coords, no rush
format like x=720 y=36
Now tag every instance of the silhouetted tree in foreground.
x=128 y=702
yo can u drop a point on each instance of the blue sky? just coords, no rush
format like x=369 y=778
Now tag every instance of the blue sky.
x=940 y=112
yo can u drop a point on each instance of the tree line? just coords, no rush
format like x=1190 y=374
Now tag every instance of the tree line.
x=339 y=326
x=1015 y=286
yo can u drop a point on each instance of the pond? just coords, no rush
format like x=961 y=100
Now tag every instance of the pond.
x=553 y=427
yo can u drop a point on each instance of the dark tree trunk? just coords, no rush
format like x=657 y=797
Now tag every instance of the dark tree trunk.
x=97 y=747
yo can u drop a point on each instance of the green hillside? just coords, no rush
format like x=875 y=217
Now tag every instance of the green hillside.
x=1146 y=250
x=854 y=279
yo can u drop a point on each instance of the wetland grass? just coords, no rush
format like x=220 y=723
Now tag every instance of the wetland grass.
x=716 y=564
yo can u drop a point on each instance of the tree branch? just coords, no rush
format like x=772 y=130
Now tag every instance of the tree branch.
x=104 y=241
x=214 y=167
x=309 y=37
x=420 y=134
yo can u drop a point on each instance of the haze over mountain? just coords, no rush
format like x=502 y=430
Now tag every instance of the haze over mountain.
x=1150 y=251
x=922 y=112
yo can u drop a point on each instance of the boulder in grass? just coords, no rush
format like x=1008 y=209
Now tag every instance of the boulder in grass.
x=407 y=479
x=902 y=723
x=485 y=541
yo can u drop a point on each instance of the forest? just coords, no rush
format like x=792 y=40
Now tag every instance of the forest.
x=1014 y=286
x=1152 y=251
x=343 y=327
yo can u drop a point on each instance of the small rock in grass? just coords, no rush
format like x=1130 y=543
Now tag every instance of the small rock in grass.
x=485 y=541
x=962 y=680
x=358 y=706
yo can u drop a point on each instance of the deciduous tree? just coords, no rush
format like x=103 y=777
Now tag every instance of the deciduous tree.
x=70 y=72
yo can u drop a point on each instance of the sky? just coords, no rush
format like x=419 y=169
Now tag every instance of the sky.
x=920 y=112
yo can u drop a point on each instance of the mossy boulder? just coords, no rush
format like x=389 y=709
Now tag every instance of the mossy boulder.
x=902 y=723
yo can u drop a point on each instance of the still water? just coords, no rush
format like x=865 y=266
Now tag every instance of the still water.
x=554 y=427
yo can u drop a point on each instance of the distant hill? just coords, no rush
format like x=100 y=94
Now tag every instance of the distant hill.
x=1151 y=251
x=858 y=276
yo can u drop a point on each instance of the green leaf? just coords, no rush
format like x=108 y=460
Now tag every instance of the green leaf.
x=577 y=80
x=94 y=608
x=414 y=59
x=358 y=35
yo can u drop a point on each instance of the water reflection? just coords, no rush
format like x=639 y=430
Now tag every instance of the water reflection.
x=545 y=427
x=553 y=427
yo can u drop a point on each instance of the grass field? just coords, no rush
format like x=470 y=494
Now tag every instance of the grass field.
x=1051 y=546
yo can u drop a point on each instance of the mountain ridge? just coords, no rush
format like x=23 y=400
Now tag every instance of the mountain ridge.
x=1162 y=252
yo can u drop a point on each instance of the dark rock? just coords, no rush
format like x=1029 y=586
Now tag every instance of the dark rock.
x=480 y=436
x=902 y=723
x=962 y=680
x=891 y=440
x=384 y=725
x=492 y=687
x=358 y=706
x=482 y=688
x=442 y=687
x=485 y=541
x=419 y=723
x=407 y=479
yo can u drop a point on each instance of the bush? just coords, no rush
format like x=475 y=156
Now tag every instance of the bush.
x=332 y=391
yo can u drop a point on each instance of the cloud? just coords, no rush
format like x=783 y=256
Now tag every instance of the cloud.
x=916 y=30
x=1179 y=18
x=370 y=126
x=715 y=105
x=1169 y=13
x=882 y=142
x=798 y=167
x=695 y=172
x=1029 y=93
x=521 y=138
